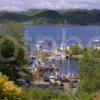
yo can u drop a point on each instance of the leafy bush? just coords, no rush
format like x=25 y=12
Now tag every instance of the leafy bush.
x=8 y=90
x=12 y=57
x=86 y=96
x=75 y=49
x=45 y=94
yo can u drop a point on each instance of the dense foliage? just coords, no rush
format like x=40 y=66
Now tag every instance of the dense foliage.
x=9 y=91
x=89 y=72
x=75 y=49
x=78 y=16
x=43 y=54
x=94 y=53
x=45 y=94
x=11 y=58
x=86 y=96
x=12 y=52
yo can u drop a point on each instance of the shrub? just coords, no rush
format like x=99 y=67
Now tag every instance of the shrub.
x=86 y=96
x=8 y=90
x=45 y=94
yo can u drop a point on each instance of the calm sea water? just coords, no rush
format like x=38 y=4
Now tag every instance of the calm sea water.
x=67 y=34
x=82 y=34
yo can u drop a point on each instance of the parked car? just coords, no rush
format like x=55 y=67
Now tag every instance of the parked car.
x=74 y=80
x=23 y=82
x=63 y=79
x=53 y=80
x=46 y=79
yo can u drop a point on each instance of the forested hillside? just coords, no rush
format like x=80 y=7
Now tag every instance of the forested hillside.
x=78 y=16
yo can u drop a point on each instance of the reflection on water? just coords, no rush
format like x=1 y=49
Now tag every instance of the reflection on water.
x=63 y=65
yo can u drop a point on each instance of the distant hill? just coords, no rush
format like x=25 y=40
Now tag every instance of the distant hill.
x=78 y=17
x=48 y=14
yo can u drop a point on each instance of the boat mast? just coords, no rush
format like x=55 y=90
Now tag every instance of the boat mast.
x=64 y=42
x=68 y=63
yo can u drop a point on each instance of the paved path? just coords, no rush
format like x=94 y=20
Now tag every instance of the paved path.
x=40 y=84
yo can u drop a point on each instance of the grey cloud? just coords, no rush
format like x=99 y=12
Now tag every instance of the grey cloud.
x=20 y=5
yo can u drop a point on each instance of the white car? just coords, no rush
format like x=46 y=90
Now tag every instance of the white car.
x=54 y=80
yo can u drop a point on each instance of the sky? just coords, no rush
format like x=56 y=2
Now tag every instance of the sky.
x=23 y=5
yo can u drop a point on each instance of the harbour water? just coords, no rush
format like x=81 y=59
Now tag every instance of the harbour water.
x=81 y=34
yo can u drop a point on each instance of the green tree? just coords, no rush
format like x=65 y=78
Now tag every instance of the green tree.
x=75 y=49
x=12 y=51
x=43 y=54
x=89 y=72
x=12 y=58
x=15 y=30
x=96 y=78
x=94 y=52
x=86 y=75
